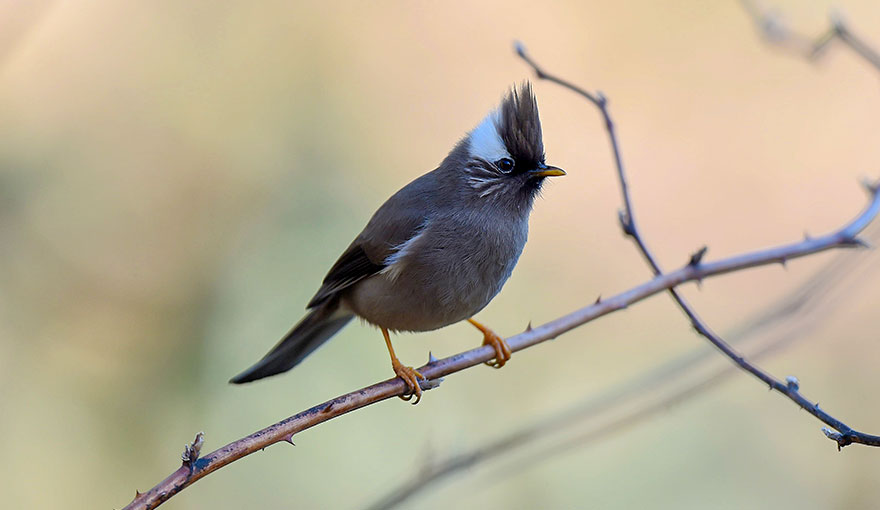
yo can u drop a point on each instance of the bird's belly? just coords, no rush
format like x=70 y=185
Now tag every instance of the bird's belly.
x=427 y=294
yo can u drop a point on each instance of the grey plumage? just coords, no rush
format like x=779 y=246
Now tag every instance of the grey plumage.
x=441 y=248
x=319 y=324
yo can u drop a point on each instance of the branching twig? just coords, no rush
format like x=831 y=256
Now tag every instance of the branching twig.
x=285 y=429
x=798 y=308
x=776 y=32
x=574 y=417
x=802 y=301
x=842 y=433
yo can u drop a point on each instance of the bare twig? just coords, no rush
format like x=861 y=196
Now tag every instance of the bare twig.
x=574 y=417
x=775 y=31
x=797 y=308
x=844 y=434
x=640 y=414
x=285 y=429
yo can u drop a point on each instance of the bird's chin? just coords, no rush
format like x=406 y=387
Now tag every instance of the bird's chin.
x=533 y=185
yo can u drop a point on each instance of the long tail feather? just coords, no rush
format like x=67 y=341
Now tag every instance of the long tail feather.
x=314 y=329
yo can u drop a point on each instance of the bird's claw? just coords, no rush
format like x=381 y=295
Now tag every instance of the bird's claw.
x=502 y=350
x=411 y=377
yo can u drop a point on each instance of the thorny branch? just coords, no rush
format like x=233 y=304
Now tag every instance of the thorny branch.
x=284 y=430
x=797 y=309
x=843 y=434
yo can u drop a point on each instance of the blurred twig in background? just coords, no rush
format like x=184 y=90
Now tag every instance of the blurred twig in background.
x=774 y=30
x=654 y=391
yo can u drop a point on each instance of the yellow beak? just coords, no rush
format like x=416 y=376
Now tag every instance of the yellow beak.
x=547 y=171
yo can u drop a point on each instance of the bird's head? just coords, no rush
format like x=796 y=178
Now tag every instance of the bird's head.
x=506 y=152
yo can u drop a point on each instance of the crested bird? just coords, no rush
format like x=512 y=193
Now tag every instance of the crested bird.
x=438 y=250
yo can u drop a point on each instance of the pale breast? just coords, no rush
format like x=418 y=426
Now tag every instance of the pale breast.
x=447 y=273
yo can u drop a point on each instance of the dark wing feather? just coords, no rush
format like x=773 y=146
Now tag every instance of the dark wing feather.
x=400 y=218
x=354 y=265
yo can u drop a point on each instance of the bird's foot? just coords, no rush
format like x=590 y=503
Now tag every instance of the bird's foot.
x=502 y=350
x=411 y=377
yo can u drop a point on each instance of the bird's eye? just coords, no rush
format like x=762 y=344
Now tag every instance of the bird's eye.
x=505 y=165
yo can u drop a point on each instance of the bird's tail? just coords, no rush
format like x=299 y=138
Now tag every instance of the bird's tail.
x=314 y=329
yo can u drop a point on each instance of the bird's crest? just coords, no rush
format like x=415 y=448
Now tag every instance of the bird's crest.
x=519 y=126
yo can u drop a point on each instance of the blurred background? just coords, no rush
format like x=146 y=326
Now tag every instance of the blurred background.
x=176 y=178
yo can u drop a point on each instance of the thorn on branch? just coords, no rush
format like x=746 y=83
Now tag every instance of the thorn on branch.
x=837 y=21
x=830 y=433
x=520 y=48
x=792 y=383
x=697 y=257
x=871 y=187
x=783 y=262
x=855 y=242
x=598 y=299
x=626 y=223
x=528 y=327
x=192 y=450
x=842 y=440
x=430 y=384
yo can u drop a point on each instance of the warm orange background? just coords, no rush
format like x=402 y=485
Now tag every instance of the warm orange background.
x=175 y=180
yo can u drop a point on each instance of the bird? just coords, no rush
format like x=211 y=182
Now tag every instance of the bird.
x=439 y=250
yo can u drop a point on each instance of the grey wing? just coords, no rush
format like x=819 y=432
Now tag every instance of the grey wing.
x=353 y=266
x=399 y=219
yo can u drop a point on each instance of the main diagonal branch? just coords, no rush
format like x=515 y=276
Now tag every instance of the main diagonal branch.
x=842 y=433
x=194 y=469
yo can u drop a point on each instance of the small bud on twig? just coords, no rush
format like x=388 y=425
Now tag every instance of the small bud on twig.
x=191 y=451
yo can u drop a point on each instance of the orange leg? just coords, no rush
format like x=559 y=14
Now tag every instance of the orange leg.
x=502 y=350
x=409 y=375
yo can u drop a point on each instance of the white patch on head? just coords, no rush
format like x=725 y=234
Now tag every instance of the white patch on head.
x=486 y=142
